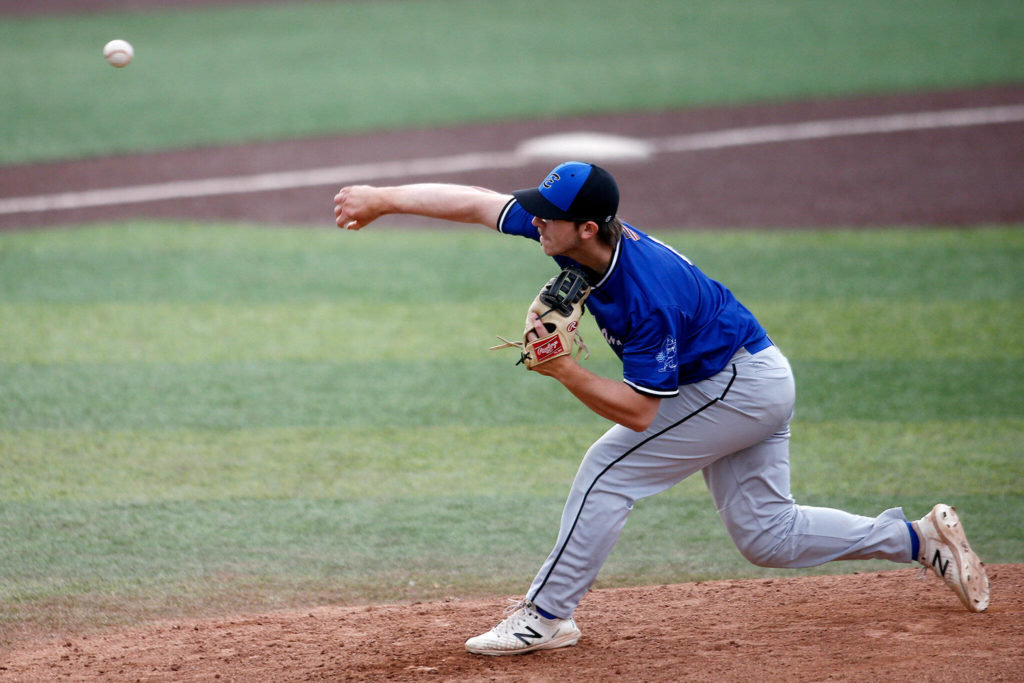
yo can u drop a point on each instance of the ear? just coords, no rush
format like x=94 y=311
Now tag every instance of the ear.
x=588 y=229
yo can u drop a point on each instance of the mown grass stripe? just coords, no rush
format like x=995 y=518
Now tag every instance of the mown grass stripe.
x=833 y=457
x=389 y=394
x=365 y=331
x=183 y=263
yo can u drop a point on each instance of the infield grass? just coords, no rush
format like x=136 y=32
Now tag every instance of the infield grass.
x=222 y=75
x=195 y=419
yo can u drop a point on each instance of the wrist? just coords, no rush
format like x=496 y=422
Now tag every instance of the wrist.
x=564 y=368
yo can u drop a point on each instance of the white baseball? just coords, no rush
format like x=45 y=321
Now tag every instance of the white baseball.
x=118 y=52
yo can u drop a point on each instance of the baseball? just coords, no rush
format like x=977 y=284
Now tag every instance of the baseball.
x=118 y=53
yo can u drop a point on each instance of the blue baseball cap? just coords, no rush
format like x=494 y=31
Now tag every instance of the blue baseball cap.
x=573 y=191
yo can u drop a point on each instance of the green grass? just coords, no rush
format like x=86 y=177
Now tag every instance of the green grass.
x=230 y=74
x=199 y=419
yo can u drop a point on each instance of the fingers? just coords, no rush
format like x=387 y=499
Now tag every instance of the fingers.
x=538 y=326
x=344 y=221
x=538 y=330
x=344 y=209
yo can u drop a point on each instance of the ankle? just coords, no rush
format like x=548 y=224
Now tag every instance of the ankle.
x=915 y=541
x=546 y=615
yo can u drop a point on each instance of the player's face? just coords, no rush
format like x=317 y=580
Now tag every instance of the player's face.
x=557 y=238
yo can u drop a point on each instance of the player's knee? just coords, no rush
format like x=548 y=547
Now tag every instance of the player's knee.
x=766 y=543
x=762 y=556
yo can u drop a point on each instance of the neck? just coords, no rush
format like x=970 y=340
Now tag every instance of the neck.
x=597 y=256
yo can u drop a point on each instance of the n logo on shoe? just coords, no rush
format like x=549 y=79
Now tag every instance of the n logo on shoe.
x=523 y=636
x=939 y=565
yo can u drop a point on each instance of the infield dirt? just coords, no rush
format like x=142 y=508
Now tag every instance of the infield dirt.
x=955 y=176
x=883 y=626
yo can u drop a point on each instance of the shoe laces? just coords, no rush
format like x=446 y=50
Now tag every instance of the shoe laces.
x=514 y=611
x=515 y=604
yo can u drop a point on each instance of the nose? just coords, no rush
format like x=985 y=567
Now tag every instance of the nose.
x=538 y=222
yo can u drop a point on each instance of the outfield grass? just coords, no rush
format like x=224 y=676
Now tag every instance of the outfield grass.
x=231 y=74
x=202 y=418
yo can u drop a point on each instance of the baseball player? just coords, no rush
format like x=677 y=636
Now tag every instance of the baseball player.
x=703 y=389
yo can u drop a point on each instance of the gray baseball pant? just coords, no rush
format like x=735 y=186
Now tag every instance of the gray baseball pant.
x=734 y=427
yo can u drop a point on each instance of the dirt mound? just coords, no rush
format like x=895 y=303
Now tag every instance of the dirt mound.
x=877 y=626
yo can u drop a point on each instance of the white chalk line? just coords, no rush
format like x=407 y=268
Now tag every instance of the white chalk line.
x=872 y=125
x=339 y=175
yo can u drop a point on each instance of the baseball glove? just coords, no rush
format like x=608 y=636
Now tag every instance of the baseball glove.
x=559 y=305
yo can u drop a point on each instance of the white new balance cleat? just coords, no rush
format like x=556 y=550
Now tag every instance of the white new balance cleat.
x=944 y=550
x=525 y=631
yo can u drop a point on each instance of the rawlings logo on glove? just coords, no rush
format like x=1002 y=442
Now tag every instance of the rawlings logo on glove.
x=559 y=306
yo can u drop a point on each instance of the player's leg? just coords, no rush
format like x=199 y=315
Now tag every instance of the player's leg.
x=690 y=431
x=599 y=501
x=751 y=490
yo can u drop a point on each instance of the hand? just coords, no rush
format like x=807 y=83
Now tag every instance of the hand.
x=357 y=206
x=554 y=367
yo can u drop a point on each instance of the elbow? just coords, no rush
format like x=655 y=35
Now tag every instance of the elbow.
x=637 y=425
x=643 y=417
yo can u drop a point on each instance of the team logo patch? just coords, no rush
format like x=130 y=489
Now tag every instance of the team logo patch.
x=551 y=347
x=667 y=356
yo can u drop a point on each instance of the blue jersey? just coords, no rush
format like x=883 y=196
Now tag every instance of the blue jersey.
x=668 y=322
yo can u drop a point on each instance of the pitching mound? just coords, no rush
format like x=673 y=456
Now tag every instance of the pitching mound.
x=888 y=626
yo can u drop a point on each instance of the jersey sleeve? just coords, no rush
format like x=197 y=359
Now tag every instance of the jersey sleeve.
x=515 y=220
x=650 y=357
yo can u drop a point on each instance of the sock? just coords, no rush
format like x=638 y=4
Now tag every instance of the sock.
x=915 y=542
x=546 y=615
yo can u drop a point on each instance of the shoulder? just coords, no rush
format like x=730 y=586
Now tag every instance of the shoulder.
x=513 y=219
